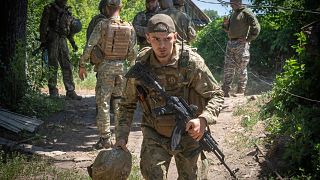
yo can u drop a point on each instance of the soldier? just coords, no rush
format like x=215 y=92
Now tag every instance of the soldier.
x=141 y=19
x=242 y=27
x=182 y=21
x=55 y=27
x=97 y=18
x=186 y=77
x=111 y=42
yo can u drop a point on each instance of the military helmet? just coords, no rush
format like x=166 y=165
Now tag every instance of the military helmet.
x=112 y=164
x=75 y=26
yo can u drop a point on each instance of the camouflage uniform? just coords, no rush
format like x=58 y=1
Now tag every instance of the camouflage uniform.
x=189 y=78
x=110 y=72
x=94 y=21
x=242 y=25
x=183 y=23
x=54 y=29
x=140 y=23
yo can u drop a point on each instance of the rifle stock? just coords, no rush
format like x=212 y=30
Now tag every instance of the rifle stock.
x=183 y=111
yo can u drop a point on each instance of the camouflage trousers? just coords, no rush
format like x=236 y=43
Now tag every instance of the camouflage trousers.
x=58 y=53
x=109 y=83
x=156 y=156
x=236 y=60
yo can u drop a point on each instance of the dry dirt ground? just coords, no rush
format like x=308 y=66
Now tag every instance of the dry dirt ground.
x=70 y=134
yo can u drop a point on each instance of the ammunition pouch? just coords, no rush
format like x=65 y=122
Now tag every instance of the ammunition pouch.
x=165 y=124
x=96 y=55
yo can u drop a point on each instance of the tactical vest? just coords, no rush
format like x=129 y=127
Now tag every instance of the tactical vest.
x=63 y=20
x=116 y=37
x=175 y=84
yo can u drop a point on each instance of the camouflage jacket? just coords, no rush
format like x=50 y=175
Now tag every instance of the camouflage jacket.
x=139 y=23
x=94 y=21
x=55 y=22
x=96 y=38
x=183 y=23
x=243 y=24
x=194 y=82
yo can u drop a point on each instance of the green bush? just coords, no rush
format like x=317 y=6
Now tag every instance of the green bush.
x=295 y=115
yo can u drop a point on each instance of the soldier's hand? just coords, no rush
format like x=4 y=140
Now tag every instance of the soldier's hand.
x=196 y=128
x=121 y=143
x=82 y=73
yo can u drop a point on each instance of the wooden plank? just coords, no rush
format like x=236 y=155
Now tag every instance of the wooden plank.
x=9 y=127
x=25 y=126
x=31 y=120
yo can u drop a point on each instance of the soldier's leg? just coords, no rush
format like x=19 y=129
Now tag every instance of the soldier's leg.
x=186 y=161
x=228 y=70
x=104 y=88
x=155 y=160
x=53 y=67
x=119 y=84
x=66 y=69
x=244 y=55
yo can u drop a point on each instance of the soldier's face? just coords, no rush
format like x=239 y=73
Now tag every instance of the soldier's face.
x=162 y=45
x=151 y=5
x=235 y=4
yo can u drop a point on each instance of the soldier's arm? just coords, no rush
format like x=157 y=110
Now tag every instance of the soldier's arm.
x=93 y=41
x=205 y=84
x=254 y=29
x=44 y=24
x=132 y=51
x=126 y=110
x=191 y=33
x=140 y=30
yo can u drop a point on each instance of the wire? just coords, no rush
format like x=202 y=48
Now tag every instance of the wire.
x=263 y=6
x=256 y=76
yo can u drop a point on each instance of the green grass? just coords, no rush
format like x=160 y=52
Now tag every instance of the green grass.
x=19 y=166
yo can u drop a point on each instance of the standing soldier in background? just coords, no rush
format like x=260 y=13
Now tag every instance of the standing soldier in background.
x=182 y=21
x=242 y=27
x=141 y=19
x=111 y=43
x=97 y=18
x=56 y=25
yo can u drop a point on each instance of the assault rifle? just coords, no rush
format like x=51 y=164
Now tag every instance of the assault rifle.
x=181 y=109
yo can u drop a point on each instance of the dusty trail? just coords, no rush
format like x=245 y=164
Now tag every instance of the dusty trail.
x=71 y=133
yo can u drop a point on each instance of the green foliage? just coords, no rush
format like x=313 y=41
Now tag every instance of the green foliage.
x=35 y=103
x=294 y=116
x=210 y=43
x=19 y=166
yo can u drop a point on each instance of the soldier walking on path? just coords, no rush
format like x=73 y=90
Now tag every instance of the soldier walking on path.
x=182 y=21
x=56 y=25
x=242 y=27
x=188 y=78
x=141 y=19
x=110 y=44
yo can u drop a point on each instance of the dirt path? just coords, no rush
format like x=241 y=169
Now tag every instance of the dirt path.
x=72 y=133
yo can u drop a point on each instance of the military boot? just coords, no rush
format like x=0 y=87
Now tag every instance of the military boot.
x=240 y=91
x=73 y=95
x=103 y=143
x=226 y=93
x=54 y=92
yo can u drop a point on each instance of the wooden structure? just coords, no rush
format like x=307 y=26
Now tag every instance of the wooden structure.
x=199 y=18
x=17 y=122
